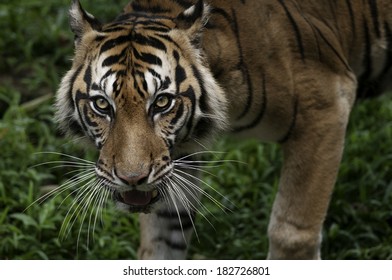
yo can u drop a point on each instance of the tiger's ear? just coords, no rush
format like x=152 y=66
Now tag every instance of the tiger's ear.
x=192 y=20
x=81 y=21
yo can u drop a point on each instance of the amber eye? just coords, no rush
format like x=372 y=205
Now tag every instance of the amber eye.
x=102 y=105
x=162 y=102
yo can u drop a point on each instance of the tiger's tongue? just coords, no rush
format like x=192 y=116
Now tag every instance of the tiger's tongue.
x=137 y=198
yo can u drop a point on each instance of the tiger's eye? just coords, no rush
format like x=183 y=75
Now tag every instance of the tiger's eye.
x=102 y=105
x=162 y=102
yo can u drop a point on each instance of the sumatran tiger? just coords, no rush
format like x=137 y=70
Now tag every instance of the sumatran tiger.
x=154 y=86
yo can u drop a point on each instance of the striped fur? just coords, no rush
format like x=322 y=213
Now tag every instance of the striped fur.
x=157 y=83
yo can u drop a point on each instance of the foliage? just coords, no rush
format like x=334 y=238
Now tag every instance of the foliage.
x=35 y=48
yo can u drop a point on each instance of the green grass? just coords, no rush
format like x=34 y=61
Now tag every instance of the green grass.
x=35 y=50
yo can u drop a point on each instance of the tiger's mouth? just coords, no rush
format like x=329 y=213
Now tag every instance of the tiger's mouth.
x=138 y=201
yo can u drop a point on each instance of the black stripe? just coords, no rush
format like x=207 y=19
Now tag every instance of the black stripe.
x=186 y=224
x=179 y=71
x=152 y=21
x=171 y=244
x=87 y=78
x=204 y=128
x=203 y=103
x=80 y=96
x=179 y=113
x=184 y=3
x=95 y=86
x=121 y=19
x=71 y=84
x=99 y=38
x=157 y=28
x=154 y=73
x=144 y=17
x=262 y=110
x=374 y=14
x=334 y=50
x=332 y=6
x=107 y=74
x=313 y=30
x=168 y=39
x=164 y=83
x=86 y=117
x=115 y=59
x=180 y=76
x=243 y=68
x=296 y=30
x=191 y=95
x=224 y=14
x=352 y=17
x=165 y=214
x=109 y=44
x=148 y=41
x=75 y=127
x=117 y=87
x=367 y=62
x=163 y=167
x=116 y=27
x=94 y=23
x=143 y=87
x=148 y=58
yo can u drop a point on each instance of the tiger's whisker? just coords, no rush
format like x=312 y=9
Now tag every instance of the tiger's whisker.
x=188 y=206
x=188 y=186
x=193 y=207
x=70 y=183
x=76 y=182
x=199 y=153
x=63 y=163
x=75 y=206
x=220 y=205
x=88 y=207
x=190 y=167
x=98 y=204
x=177 y=211
x=66 y=155
x=209 y=161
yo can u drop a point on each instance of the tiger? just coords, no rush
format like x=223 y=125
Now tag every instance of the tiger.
x=159 y=84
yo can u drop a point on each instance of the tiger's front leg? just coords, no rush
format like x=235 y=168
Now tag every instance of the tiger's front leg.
x=312 y=156
x=166 y=233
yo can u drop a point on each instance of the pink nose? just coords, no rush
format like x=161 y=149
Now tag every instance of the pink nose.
x=133 y=178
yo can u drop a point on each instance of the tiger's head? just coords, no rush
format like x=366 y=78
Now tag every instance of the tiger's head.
x=140 y=90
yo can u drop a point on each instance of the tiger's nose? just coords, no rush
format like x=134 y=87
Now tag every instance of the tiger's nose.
x=133 y=179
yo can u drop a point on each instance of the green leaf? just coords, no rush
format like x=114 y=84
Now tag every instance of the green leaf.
x=25 y=219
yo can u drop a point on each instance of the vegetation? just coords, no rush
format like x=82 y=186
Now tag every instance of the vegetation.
x=35 y=50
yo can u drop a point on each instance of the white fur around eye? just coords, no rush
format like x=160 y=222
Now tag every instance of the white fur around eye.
x=151 y=83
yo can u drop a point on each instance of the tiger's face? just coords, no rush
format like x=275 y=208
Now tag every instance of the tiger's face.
x=139 y=90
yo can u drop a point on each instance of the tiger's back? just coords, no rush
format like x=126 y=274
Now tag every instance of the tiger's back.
x=246 y=41
x=153 y=86
x=284 y=39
